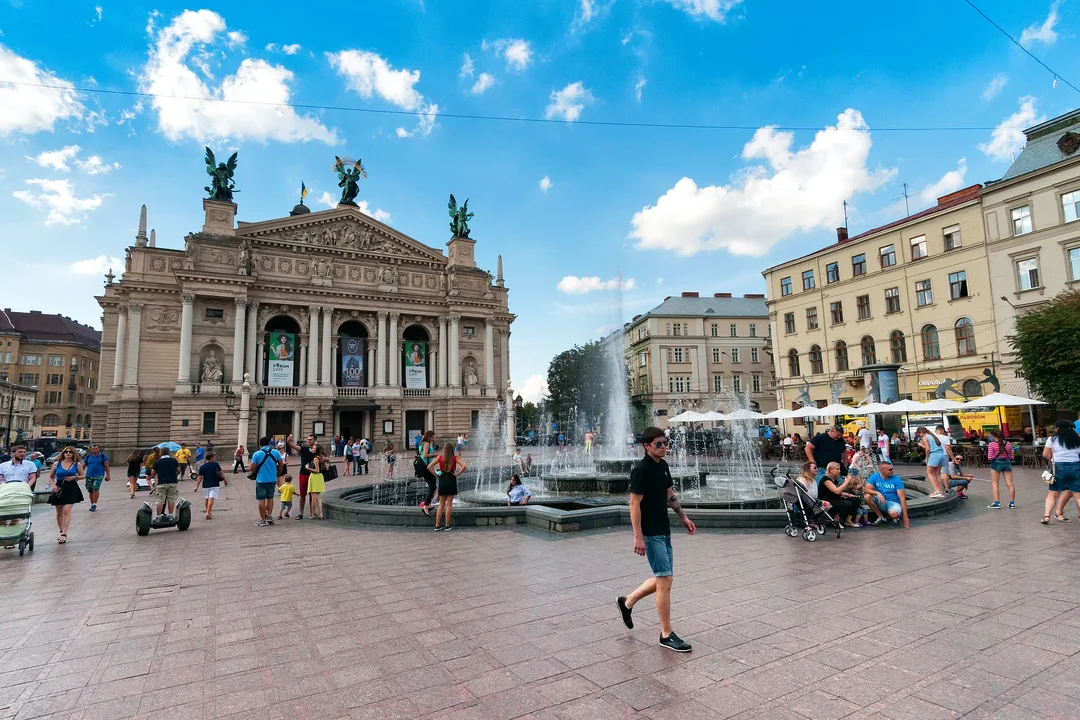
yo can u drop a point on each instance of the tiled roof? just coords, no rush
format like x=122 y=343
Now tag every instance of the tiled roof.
x=1042 y=150
x=731 y=307
x=39 y=327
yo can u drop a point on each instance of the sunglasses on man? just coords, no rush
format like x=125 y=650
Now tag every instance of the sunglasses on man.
x=661 y=444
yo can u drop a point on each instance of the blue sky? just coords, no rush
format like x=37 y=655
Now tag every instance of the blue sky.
x=664 y=209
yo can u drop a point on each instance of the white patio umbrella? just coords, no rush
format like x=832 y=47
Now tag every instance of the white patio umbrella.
x=782 y=414
x=837 y=409
x=903 y=407
x=686 y=416
x=1001 y=399
x=874 y=408
x=944 y=405
x=713 y=416
x=744 y=414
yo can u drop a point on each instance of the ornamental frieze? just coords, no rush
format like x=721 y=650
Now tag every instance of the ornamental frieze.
x=157 y=264
x=162 y=318
x=216 y=255
x=302 y=267
x=346 y=235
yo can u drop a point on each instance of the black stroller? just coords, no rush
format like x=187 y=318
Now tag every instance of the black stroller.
x=804 y=512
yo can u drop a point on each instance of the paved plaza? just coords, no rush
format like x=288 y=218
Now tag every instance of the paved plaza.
x=970 y=615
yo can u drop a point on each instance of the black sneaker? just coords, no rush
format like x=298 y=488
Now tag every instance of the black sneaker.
x=269 y=521
x=629 y=621
x=674 y=642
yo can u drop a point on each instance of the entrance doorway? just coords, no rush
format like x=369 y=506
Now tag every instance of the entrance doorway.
x=279 y=423
x=352 y=423
x=414 y=426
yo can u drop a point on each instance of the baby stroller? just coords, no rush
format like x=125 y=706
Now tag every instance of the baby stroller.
x=15 y=501
x=804 y=512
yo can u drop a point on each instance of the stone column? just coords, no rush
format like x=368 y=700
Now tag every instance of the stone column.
x=253 y=331
x=186 y=317
x=504 y=355
x=327 y=353
x=262 y=426
x=489 y=354
x=131 y=375
x=238 y=341
x=433 y=365
x=313 y=346
x=454 y=367
x=245 y=412
x=443 y=347
x=370 y=366
x=382 y=350
x=303 y=358
x=393 y=355
x=121 y=341
x=296 y=426
x=259 y=350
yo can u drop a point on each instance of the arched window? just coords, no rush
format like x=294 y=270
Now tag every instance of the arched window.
x=793 y=363
x=816 y=365
x=965 y=336
x=841 y=356
x=898 y=347
x=78 y=420
x=931 y=349
x=972 y=389
x=869 y=350
x=50 y=420
x=86 y=421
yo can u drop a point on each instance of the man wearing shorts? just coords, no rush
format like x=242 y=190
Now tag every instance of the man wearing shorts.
x=96 y=468
x=884 y=493
x=267 y=460
x=651 y=494
x=307 y=455
x=163 y=478
x=183 y=457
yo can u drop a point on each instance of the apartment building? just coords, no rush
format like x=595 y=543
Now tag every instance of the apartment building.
x=690 y=349
x=16 y=413
x=915 y=292
x=1032 y=218
x=61 y=358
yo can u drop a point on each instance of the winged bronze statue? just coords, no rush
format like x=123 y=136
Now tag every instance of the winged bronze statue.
x=459 y=218
x=347 y=179
x=221 y=186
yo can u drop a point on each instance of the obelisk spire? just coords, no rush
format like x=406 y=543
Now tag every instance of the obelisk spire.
x=153 y=237
x=140 y=239
x=499 y=274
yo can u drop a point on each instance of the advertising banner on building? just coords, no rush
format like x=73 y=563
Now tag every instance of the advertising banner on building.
x=352 y=362
x=279 y=371
x=415 y=365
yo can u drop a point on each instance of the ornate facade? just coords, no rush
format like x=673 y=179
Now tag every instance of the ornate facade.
x=343 y=324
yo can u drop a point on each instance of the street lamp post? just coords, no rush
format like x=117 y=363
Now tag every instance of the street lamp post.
x=518 y=403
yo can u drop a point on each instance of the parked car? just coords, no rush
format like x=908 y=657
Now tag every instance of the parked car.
x=56 y=456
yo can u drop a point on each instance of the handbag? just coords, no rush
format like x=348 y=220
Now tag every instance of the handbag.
x=331 y=471
x=1048 y=475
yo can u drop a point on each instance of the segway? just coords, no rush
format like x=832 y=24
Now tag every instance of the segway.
x=145 y=520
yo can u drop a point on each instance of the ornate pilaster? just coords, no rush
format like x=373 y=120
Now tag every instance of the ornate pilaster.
x=442 y=352
x=327 y=355
x=454 y=369
x=131 y=377
x=313 y=346
x=186 y=316
x=254 y=329
x=240 y=320
x=121 y=343
x=393 y=359
x=381 y=361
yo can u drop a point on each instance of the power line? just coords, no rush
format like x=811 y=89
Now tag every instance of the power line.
x=1017 y=44
x=466 y=116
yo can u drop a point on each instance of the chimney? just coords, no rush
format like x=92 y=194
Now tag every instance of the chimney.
x=636 y=318
x=667 y=298
x=841 y=235
x=721 y=295
x=754 y=296
x=689 y=294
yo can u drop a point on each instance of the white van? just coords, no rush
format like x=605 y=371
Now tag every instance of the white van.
x=910 y=423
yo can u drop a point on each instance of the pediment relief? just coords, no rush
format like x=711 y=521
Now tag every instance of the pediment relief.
x=346 y=234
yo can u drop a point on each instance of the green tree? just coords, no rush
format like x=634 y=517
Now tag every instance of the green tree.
x=1046 y=344
x=578 y=387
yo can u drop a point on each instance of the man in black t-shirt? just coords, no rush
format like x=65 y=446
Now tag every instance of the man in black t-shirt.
x=307 y=456
x=651 y=494
x=826 y=448
x=163 y=478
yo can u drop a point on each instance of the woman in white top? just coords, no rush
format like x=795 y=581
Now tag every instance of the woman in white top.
x=1064 y=450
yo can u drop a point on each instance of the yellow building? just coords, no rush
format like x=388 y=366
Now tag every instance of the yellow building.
x=689 y=349
x=915 y=292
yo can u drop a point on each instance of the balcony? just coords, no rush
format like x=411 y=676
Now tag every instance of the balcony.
x=286 y=391
x=208 y=389
x=416 y=392
x=350 y=392
x=482 y=392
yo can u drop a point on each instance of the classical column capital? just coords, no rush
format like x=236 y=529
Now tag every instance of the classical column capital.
x=135 y=307
x=187 y=298
x=395 y=316
x=442 y=320
x=240 y=302
x=454 y=318
x=122 y=309
x=382 y=315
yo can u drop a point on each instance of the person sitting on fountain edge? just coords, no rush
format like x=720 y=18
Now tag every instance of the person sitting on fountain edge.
x=884 y=493
x=651 y=494
x=517 y=494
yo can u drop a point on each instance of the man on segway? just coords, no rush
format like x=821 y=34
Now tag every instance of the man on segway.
x=163 y=483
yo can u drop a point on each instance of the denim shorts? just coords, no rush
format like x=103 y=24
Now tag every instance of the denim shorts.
x=938 y=458
x=890 y=507
x=1001 y=464
x=265 y=491
x=658 y=552
x=1066 y=477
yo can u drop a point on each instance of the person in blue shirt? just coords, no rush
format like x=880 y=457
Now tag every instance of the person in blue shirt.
x=95 y=467
x=884 y=493
x=1076 y=424
x=266 y=460
x=517 y=493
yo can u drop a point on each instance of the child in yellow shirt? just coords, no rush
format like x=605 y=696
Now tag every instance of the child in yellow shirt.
x=287 y=490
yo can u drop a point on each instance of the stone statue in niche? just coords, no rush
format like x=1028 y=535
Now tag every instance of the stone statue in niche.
x=245 y=258
x=211 y=369
x=189 y=248
x=471 y=378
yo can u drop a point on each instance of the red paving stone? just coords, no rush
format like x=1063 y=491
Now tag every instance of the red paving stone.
x=970 y=615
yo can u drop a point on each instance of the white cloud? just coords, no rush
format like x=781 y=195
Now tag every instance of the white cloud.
x=515 y=51
x=568 y=103
x=291 y=49
x=713 y=9
x=425 y=124
x=328 y=200
x=468 y=69
x=792 y=192
x=98 y=12
x=256 y=81
x=56 y=159
x=997 y=83
x=545 y=184
x=482 y=84
x=270 y=47
x=331 y=201
x=58 y=197
x=949 y=182
x=369 y=74
x=1044 y=33
x=1008 y=138
x=60 y=159
x=574 y=285
x=33 y=109
x=236 y=37
x=639 y=87
x=97 y=266
x=588 y=10
x=534 y=389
